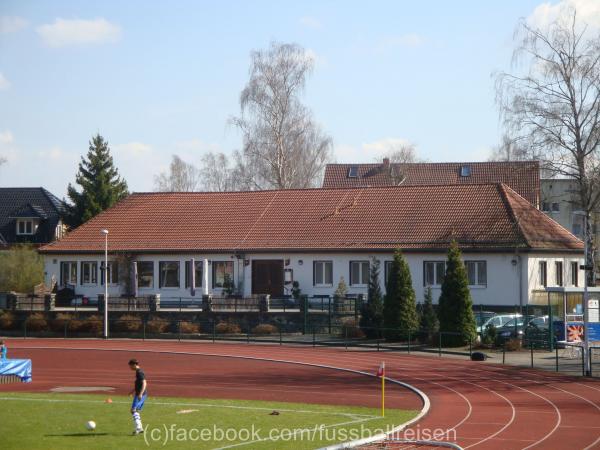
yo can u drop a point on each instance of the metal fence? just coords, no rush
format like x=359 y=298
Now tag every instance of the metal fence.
x=531 y=352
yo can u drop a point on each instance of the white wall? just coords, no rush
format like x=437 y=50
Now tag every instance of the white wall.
x=502 y=273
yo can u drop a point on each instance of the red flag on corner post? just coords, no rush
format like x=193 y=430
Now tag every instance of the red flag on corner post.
x=381 y=370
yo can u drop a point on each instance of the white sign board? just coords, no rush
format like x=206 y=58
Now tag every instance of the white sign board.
x=593 y=311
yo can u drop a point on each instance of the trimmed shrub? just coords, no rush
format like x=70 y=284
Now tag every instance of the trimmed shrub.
x=60 y=320
x=189 y=327
x=227 y=328
x=36 y=322
x=7 y=321
x=155 y=325
x=490 y=335
x=127 y=323
x=400 y=307
x=513 y=345
x=265 y=329
x=351 y=329
x=455 y=309
x=92 y=324
x=371 y=316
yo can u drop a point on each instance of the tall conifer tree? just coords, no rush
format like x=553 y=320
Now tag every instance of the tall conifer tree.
x=100 y=183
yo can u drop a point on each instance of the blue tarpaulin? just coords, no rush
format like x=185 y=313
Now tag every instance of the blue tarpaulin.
x=18 y=367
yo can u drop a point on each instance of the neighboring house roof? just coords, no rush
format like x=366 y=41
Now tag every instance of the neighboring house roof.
x=522 y=176
x=29 y=211
x=35 y=203
x=489 y=216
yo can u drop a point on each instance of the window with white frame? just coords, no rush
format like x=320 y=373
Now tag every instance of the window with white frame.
x=145 y=276
x=25 y=227
x=112 y=273
x=359 y=273
x=433 y=273
x=476 y=273
x=68 y=273
x=221 y=269
x=543 y=273
x=168 y=274
x=574 y=273
x=198 y=268
x=558 y=271
x=322 y=273
x=89 y=272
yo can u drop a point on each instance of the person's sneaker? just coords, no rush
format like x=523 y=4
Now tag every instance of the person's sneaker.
x=136 y=432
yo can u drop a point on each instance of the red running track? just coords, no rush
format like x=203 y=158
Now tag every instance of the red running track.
x=484 y=406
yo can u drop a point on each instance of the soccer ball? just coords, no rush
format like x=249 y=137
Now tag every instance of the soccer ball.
x=91 y=425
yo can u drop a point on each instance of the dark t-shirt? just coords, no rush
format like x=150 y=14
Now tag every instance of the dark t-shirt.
x=139 y=378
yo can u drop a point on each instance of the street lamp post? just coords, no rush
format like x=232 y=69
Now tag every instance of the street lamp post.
x=105 y=233
x=586 y=342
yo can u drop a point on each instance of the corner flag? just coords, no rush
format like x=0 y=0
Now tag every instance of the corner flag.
x=381 y=374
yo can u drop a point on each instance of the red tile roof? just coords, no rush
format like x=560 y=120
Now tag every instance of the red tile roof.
x=490 y=216
x=522 y=176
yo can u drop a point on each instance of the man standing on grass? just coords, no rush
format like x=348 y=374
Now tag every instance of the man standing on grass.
x=140 y=393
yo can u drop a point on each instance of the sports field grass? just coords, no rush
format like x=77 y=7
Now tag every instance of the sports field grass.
x=57 y=421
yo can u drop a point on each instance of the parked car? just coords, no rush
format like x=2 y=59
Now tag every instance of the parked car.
x=512 y=329
x=482 y=316
x=496 y=321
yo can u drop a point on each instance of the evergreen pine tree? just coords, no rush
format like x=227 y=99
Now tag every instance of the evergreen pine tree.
x=455 y=309
x=429 y=321
x=371 y=316
x=399 y=307
x=101 y=185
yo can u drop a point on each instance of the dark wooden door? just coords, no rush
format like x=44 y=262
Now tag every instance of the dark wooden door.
x=267 y=277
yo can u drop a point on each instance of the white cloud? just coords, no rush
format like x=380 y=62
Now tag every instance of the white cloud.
x=390 y=43
x=11 y=24
x=53 y=154
x=135 y=149
x=8 y=150
x=588 y=12
x=310 y=22
x=6 y=137
x=4 y=83
x=368 y=152
x=65 y=32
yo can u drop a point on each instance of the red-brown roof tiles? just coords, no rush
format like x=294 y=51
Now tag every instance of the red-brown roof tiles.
x=489 y=216
x=522 y=176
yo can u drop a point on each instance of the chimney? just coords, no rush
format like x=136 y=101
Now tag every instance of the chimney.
x=386 y=162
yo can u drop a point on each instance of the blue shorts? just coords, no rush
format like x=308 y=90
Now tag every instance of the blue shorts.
x=138 y=404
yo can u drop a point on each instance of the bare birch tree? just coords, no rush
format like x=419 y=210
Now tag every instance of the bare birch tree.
x=217 y=174
x=283 y=147
x=509 y=150
x=181 y=177
x=397 y=155
x=553 y=108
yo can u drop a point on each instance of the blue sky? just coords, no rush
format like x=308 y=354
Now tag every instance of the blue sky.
x=158 y=78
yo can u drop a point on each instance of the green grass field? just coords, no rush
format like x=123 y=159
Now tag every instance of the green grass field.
x=57 y=421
